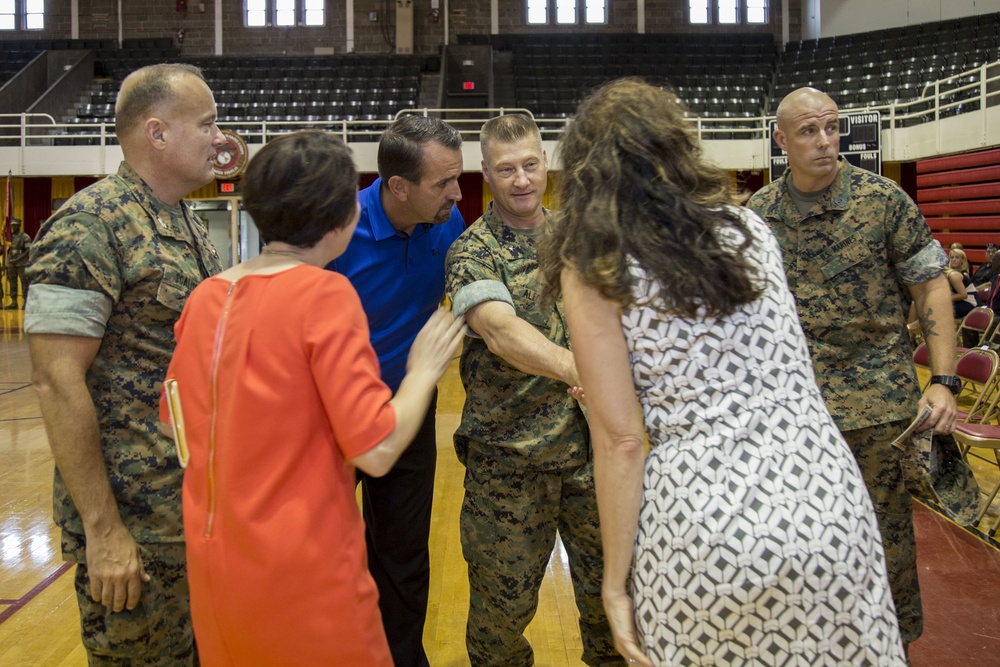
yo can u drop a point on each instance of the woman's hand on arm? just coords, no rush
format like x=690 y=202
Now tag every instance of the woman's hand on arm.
x=430 y=354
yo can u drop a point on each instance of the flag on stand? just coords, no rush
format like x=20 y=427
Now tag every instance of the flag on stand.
x=8 y=217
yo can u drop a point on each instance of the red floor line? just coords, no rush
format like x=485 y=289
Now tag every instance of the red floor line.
x=30 y=595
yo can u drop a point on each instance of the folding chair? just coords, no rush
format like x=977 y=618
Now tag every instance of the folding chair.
x=978 y=369
x=972 y=331
x=922 y=359
x=985 y=436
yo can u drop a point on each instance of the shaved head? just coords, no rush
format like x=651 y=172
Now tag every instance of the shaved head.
x=792 y=104
x=809 y=133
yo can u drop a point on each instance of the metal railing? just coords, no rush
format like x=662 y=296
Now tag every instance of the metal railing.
x=972 y=90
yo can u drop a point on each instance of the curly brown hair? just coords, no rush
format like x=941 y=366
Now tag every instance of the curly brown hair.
x=634 y=184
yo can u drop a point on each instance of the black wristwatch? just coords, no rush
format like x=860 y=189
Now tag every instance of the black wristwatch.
x=953 y=382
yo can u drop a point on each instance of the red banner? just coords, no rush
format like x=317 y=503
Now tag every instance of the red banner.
x=8 y=215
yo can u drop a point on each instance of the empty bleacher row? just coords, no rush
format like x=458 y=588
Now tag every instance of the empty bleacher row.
x=289 y=88
x=314 y=88
x=11 y=63
x=892 y=65
x=720 y=75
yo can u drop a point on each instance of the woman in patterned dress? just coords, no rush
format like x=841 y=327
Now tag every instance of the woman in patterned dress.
x=746 y=535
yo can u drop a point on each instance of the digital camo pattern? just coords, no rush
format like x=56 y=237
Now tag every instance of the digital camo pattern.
x=17 y=253
x=508 y=527
x=115 y=238
x=757 y=543
x=848 y=263
x=158 y=632
x=17 y=258
x=879 y=463
x=527 y=421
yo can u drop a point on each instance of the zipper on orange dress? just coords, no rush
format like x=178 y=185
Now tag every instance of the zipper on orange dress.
x=220 y=332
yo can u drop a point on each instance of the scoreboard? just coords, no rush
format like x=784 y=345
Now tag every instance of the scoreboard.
x=860 y=143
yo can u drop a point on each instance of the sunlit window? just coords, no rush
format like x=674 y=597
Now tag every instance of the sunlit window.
x=263 y=13
x=314 y=12
x=34 y=15
x=727 y=11
x=597 y=11
x=756 y=11
x=256 y=13
x=565 y=12
x=26 y=14
x=698 y=10
x=284 y=13
x=8 y=19
x=538 y=11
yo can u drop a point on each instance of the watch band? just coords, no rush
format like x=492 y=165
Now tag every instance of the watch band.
x=953 y=382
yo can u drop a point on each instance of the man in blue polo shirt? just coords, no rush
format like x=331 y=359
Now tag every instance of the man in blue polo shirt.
x=396 y=263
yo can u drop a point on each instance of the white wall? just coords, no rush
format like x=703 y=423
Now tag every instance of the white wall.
x=843 y=17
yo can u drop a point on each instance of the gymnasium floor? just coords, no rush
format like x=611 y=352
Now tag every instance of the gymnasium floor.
x=959 y=572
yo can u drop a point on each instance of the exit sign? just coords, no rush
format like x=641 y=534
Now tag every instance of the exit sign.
x=229 y=188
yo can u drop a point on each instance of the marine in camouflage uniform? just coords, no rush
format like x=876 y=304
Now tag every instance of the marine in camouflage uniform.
x=17 y=258
x=529 y=466
x=115 y=250
x=850 y=261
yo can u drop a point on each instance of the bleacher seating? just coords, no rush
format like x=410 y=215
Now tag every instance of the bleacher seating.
x=724 y=76
x=737 y=76
x=892 y=65
x=278 y=88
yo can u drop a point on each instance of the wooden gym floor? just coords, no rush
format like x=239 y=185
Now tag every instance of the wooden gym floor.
x=39 y=623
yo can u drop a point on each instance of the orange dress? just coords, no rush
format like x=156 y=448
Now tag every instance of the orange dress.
x=279 y=386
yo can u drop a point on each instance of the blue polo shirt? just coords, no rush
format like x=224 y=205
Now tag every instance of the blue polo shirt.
x=399 y=278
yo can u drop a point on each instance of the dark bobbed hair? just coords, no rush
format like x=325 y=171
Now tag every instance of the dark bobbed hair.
x=634 y=183
x=401 y=148
x=148 y=88
x=300 y=186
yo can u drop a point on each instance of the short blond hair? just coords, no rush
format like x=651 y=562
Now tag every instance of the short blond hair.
x=507 y=129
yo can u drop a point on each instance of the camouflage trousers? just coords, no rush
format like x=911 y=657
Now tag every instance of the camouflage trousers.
x=879 y=463
x=509 y=521
x=158 y=632
x=16 y=276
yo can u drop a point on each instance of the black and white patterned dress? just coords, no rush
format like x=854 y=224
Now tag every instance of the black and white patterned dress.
x=757 y=543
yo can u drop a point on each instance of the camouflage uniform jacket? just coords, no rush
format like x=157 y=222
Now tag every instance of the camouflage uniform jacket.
x=17 y=254
x=524 y=422
x=848 y=263
x=116 y=239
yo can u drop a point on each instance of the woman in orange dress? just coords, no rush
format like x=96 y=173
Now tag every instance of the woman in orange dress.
x=282 y=399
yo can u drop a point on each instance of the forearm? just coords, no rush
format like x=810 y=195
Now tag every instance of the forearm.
x=618 y=473
x=934 y=309
x=74 y=437
x=525 y=348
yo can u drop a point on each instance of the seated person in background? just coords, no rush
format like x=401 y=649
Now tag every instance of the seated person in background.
x=958 y=260
x=282 y=399
x=984 y=274
x=964 y=295
x=994 y=299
